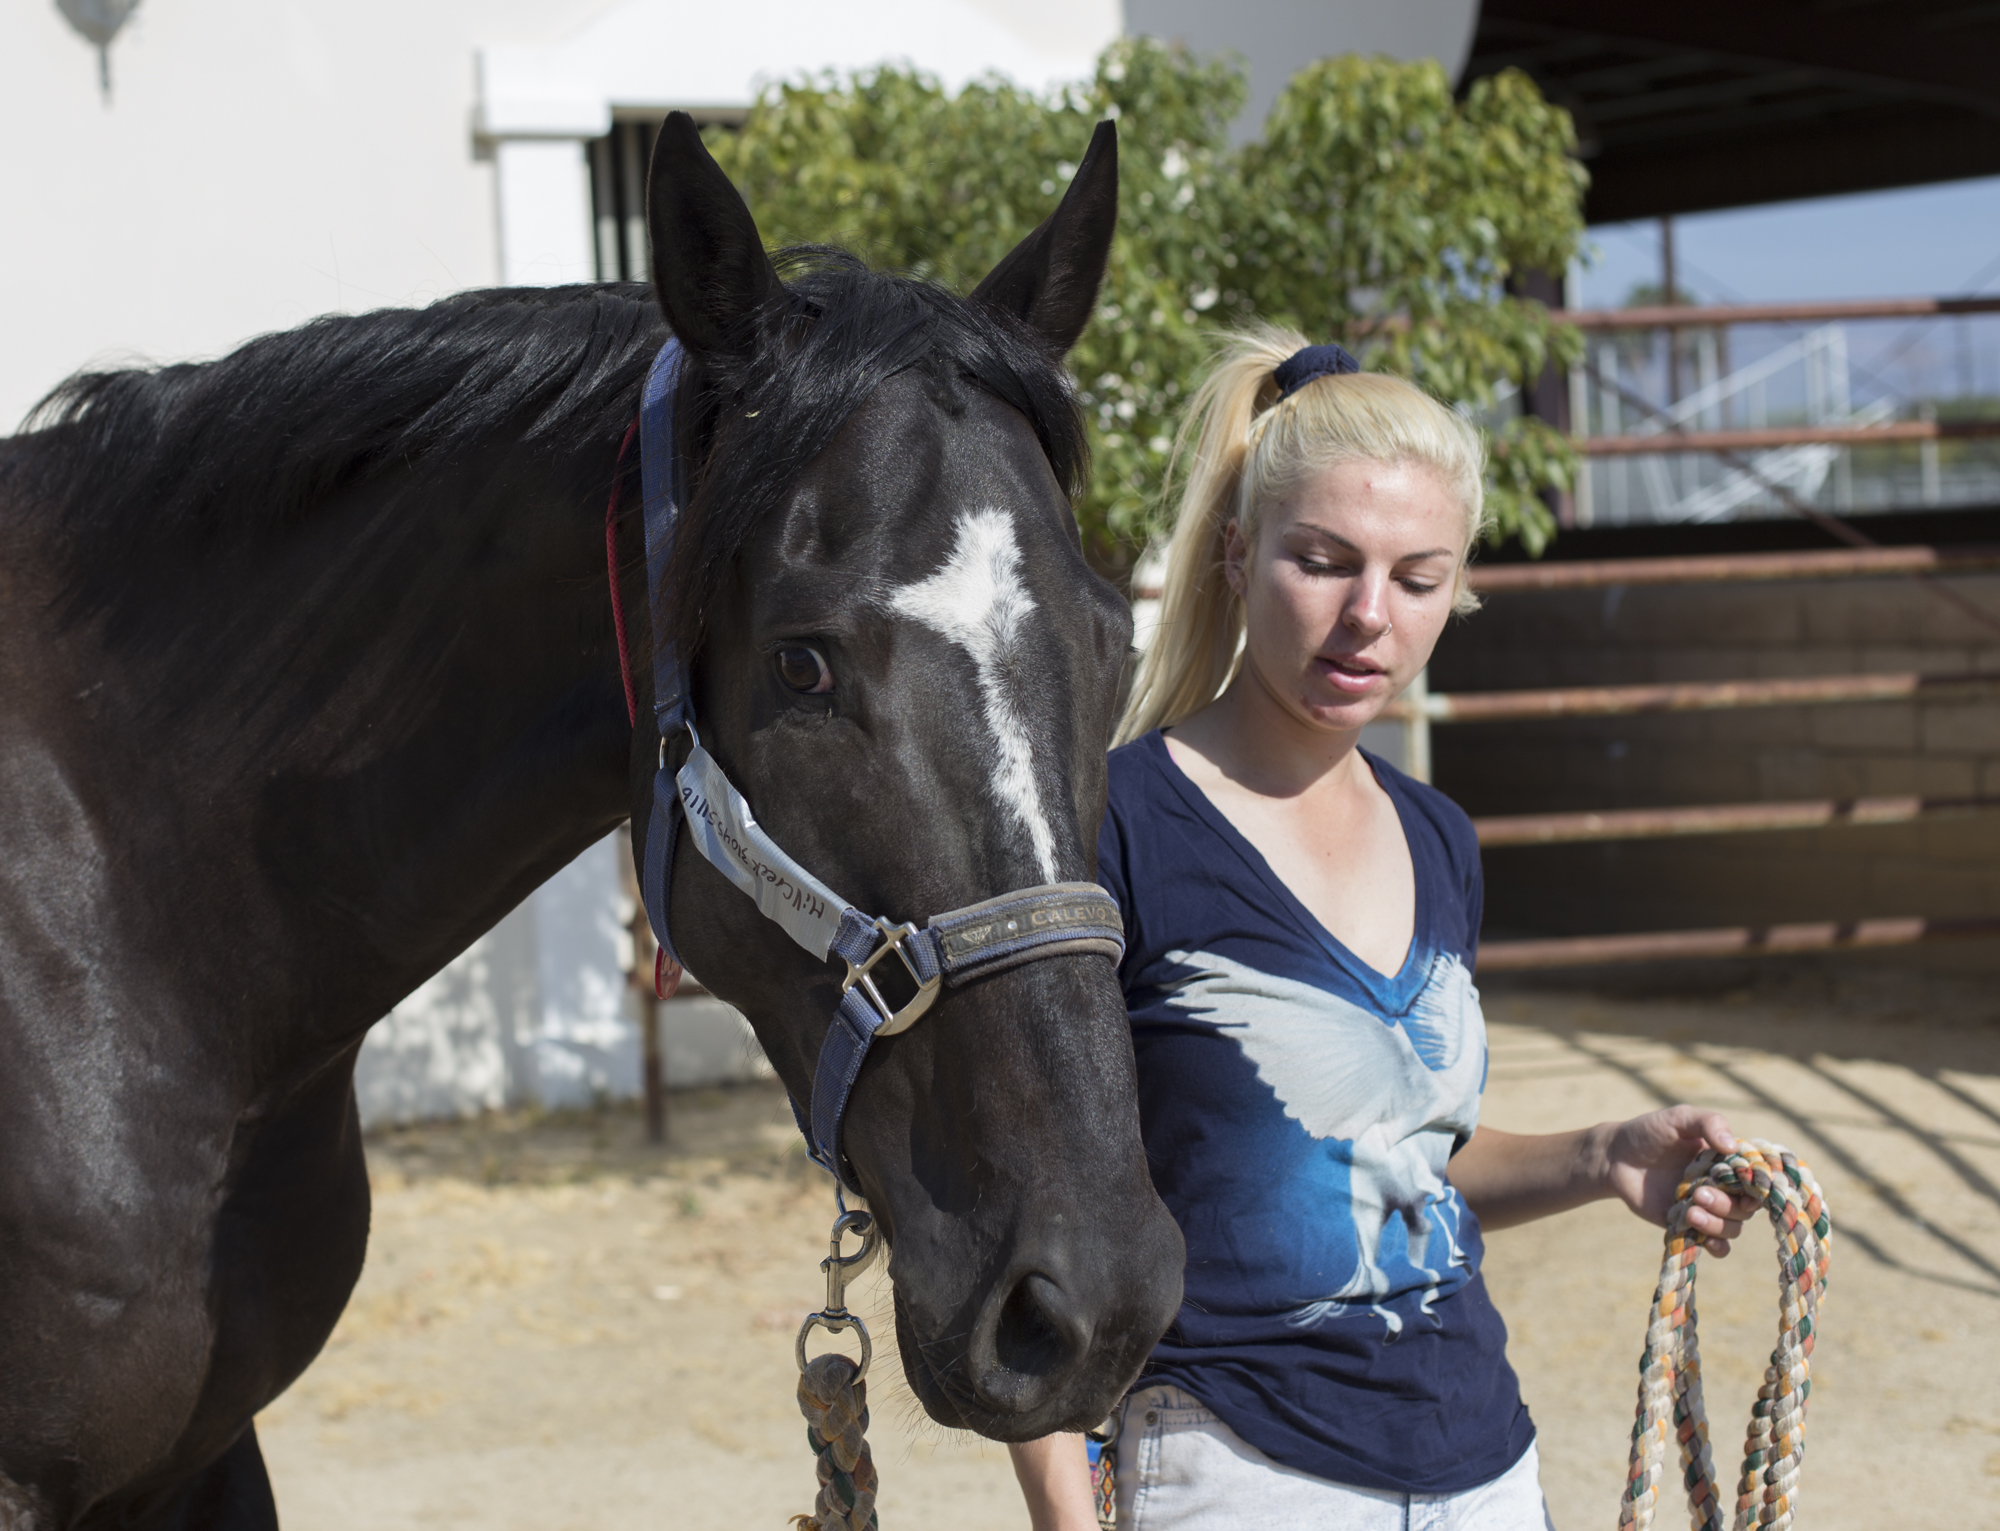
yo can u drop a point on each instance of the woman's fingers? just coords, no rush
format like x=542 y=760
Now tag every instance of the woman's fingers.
x=1718 y=1223
x=1716 y=1212
x=1714 y=1129
x=1709 y=1225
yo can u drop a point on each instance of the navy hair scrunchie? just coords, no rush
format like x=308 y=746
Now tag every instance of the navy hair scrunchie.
x=1301 y=367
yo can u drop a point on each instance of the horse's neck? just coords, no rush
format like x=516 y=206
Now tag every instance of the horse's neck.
x=327 y=764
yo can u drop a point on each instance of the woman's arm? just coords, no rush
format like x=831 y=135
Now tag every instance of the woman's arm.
x=1055 y=1480
x=1510 y=1177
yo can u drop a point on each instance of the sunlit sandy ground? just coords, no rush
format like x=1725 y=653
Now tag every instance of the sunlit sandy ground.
x=559 y=1328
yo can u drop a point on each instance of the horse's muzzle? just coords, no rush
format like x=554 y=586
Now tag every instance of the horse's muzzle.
x=1053 y=1344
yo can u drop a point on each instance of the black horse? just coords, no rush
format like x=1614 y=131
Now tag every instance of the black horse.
x=307 y=676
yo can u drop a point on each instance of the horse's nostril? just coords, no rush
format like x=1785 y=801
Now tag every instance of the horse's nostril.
x=1032 y=1344
x=1028 y=1338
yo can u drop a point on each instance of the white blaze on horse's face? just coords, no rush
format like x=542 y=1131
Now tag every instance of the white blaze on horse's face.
x=977 y=600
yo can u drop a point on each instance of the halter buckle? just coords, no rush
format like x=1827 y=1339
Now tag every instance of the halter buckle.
x=893 y=1020
x=841 y=1269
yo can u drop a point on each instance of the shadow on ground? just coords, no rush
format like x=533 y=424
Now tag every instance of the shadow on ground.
x=563 y=1326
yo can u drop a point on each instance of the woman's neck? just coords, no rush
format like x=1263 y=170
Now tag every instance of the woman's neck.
x=1254 y=740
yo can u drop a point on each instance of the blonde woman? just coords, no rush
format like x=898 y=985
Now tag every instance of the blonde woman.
x=1301 y=920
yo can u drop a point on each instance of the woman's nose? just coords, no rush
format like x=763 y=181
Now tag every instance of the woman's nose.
x=1367 y=612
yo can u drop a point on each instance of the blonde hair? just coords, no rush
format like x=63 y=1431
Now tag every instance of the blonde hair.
x=1249 y=451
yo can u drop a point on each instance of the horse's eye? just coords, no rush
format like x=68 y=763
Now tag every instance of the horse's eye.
x=804 y=670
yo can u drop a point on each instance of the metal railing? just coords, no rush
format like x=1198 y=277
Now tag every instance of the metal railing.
x=1717 y=452
x=1716 y=819
x=1713 y=316
x=1727 y=568
x=1732 y=941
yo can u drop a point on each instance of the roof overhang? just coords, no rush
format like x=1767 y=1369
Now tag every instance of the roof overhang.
x=1723 y=103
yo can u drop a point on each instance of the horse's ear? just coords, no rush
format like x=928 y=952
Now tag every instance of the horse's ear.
x=1051 y=278
x=709 y=267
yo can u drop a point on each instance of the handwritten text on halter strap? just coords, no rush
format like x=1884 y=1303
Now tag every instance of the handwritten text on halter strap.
x=730 y=839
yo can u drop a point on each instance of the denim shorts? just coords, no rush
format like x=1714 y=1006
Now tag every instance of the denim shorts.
x=1180 y=1468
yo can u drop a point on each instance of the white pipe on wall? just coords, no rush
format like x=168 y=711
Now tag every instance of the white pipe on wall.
x=544 y=210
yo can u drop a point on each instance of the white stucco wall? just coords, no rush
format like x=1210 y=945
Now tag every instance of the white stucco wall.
x=264 y=161
x=259 y=162
x=539 y=1010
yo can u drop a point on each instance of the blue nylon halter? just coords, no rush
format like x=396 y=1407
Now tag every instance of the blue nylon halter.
x=1054 y=919
x=658 y=470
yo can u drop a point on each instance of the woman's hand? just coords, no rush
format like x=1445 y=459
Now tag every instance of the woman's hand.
x=1508 y=1178
x=1644 y=1159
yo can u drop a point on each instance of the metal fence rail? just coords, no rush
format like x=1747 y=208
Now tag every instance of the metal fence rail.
x=1731 y=941
x=1686 y=696
x=1830 y=563
x=1717 y=819
x=1887 y=433
x=1714 y=315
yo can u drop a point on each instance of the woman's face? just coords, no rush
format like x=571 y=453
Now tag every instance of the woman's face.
x=1347 y=588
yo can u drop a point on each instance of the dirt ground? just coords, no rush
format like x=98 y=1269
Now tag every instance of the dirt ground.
x=560 y=1328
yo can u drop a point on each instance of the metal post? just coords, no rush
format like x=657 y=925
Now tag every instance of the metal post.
x=652 y=1061
x=1609 y=412
x=645 y=1002
x=1927 y=454
x=1670 y=298
x=604 y=209
x=636 y=143
x=1417 y=728
x=1842 y=403
x=1579 y=414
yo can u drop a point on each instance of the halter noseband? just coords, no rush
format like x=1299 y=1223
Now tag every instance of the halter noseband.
x=1049 y=920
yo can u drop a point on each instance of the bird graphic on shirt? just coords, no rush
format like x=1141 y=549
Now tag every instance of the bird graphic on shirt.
x=1397 y=1091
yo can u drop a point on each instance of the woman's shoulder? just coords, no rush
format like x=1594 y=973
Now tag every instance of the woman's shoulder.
x=1134 y=769
x=1151 y=810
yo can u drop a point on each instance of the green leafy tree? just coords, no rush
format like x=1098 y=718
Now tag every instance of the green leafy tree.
x=1378 y=208
x=1378 y=211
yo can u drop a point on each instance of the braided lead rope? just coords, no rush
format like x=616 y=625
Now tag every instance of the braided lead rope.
x=1670 y=1400
x=835 y=1403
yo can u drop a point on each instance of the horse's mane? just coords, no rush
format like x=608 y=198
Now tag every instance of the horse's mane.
x=250 y=444
x=255 y=440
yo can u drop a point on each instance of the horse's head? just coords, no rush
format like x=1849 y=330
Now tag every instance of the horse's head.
x=901 y=657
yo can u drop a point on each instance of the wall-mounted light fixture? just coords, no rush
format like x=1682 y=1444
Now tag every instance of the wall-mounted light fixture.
x=99 y=21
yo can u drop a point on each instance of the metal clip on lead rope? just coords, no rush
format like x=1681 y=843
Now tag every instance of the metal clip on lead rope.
x=840 y=1270
x=833 y=1395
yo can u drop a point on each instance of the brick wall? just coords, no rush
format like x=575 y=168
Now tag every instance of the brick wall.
x=1941 y=868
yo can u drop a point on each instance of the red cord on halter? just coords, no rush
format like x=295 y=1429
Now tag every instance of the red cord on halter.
x=611 y=565
x=666 y=971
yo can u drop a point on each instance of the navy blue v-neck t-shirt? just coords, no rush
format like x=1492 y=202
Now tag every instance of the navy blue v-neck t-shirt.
x=1299 y=1109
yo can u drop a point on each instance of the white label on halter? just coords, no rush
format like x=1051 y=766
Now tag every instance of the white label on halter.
x=729 y=838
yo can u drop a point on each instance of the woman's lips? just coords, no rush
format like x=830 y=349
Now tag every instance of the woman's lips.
x=1356 y=677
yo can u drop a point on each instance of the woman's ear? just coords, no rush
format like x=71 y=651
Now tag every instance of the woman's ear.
x=1235 y=556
